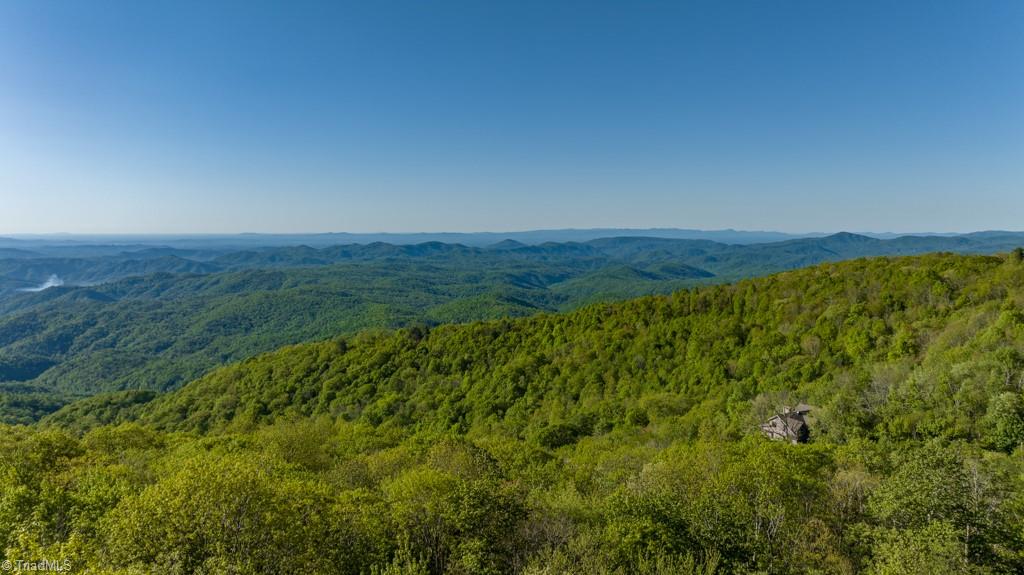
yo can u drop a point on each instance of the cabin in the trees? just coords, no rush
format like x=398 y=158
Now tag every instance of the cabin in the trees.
x=790 y=425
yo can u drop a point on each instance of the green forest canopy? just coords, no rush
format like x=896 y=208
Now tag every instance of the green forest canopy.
x=152 y=329
x=619 y=438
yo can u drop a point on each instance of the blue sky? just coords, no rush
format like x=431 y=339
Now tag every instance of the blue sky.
x=184 y=117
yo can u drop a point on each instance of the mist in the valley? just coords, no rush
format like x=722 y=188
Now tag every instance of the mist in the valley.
x=52 y=281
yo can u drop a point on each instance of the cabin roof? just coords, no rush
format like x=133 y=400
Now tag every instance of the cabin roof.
x=789 y=424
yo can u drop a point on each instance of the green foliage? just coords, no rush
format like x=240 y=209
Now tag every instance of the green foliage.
x=135 y=500
x=930 y=550
x=158 y=332
x=232 y=513
x=637 y=416
x=1004 y=422
x=165 y=317
x=615 y=439
x=864 y=340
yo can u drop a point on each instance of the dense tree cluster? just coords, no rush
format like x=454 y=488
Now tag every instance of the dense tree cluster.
x=334 y=497
x=613 y=439
x=157 y=318
x=905 y=348
x=158 y=332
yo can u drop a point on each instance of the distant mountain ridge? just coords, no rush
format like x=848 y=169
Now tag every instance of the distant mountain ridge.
x=157 y=317
x=478 y=239
x=108 y=244
x=719 y=258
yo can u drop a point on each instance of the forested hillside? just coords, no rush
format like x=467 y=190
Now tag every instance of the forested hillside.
x=130 y=328
x=618 y=438
x=157 y=332
x=820 y=334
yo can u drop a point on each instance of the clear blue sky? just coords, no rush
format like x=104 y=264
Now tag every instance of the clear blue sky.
x=483 y=115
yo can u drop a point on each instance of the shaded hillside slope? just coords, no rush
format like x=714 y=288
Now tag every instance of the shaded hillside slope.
x=901 y=347
x=159 y=331
x=613 y=440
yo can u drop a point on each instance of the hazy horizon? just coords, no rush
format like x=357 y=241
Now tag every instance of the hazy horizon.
x=501 y=231
x=496 y=232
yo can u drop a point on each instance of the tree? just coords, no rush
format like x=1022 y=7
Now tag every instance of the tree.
x=929 y=484
x=1004 y=422
x=234 y=514
x=930 y=550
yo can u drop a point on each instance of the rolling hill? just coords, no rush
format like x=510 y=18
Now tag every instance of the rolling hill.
x=617 y=438
x=159 y=330
x=802 y=333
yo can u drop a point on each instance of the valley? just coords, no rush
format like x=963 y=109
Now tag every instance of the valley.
x=155 y=318
x=615 y=438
